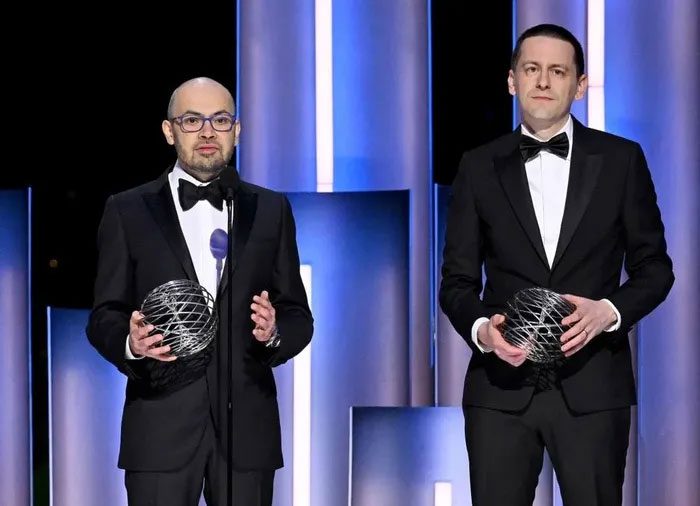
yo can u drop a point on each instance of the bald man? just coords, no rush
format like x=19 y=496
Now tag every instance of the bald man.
x=174 y=436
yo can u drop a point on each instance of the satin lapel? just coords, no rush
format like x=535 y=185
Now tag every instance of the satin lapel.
x=583 y=175
x=511 y=172
x=162 y=208
x=245 y=206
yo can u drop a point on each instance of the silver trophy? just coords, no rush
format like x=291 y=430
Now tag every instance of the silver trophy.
x=185 y=314
x=533 y=323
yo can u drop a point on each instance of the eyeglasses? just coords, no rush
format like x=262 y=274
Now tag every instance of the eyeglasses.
x=221 y=122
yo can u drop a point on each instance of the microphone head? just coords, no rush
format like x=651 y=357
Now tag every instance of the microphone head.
x=229 y=181
x=217 y=244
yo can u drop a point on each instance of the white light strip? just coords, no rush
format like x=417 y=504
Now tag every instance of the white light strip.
x=301 y=466
x=324 y=95
x=596 y=64
x=443 y=493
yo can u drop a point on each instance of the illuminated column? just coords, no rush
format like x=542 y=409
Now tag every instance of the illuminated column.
x=15 y=357
x=651 y=71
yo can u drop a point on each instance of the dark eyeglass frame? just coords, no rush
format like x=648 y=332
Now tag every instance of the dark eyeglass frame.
x=178 y=120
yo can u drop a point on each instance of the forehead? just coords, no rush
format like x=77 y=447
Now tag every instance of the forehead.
x=206 y=99
x=547 y=50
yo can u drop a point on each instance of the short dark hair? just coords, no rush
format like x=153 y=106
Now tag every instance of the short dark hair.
x=555 y=32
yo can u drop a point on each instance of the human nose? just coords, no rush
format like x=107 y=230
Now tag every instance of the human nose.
x=207 y=130
x=542 y=80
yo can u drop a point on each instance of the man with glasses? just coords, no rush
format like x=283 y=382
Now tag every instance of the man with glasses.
x=174 y=437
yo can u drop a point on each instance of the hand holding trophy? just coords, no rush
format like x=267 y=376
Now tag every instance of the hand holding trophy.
x=185 y=314
x=533 y=323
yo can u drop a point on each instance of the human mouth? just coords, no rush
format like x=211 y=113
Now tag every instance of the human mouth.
x=207 y=149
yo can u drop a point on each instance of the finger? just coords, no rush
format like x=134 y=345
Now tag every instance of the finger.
x=574 y=331
x=579 y=339
x=572 y=318
x=143 y=332
x=508 y=350
x=261 y=316
x=512 y=351
x=137 y=317
x=505 y=347
x=519 y=362
x=497 y=319
x=158 y=351
x=150 y=341
x=261 y=311
x=165 y=358
x=265 y=295
x=576 y=349
x=265 y=303
x=260 y=322
x=573 y=299
x=261 y=335
x=515 y=362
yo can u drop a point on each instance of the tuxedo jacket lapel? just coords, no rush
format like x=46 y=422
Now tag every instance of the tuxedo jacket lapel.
x=162 y=207
x=510 y=169
x=245 y=205
x=583 y=176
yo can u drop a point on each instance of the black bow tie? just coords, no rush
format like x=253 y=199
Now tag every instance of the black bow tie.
x=190 y=194
x=557 y=145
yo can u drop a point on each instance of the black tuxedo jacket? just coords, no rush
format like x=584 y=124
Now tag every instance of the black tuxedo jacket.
x=610 y=217
x=141 y=246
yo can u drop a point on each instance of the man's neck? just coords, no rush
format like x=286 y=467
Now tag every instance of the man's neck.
x=544 y=130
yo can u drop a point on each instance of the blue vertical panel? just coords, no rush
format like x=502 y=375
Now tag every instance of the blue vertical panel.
x=381 y=134
x=15 y=423
x=399 y=453
x=651 y=72
x=85 y=407
x=570 y=14
x=277 y=98
x=453 y=353
x=357 y=246
x=284 y=378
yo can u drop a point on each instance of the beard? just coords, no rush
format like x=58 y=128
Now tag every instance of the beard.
x=203 y=167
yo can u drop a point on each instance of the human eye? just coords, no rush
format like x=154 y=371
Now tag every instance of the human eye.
x=191 y=120
x=222 y=120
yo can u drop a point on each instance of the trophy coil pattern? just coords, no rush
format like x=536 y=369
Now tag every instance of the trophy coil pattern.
x=184 y=313
x=533 y=323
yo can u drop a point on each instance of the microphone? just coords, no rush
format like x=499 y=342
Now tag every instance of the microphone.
x=218 y=245
x=229 y=181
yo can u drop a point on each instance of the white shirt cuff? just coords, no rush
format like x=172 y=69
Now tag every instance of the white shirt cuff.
x=617 y=323
x=127 y=351
x=475 y=338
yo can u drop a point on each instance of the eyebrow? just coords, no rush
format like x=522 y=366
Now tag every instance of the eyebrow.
x=560 y=65
x=190 y=111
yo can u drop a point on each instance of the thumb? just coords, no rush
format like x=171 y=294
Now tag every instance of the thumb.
x=497 y=319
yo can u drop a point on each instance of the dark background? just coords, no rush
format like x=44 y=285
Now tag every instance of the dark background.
x=100 y=88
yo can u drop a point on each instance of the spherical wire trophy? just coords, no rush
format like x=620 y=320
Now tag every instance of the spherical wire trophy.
x=533 y=323
x=184 y=312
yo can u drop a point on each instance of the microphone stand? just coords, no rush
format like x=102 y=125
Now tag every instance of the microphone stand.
x=229 y=358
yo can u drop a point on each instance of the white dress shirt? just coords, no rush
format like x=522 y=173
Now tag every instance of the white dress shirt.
x=548 y=181
x=197 y=224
